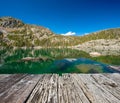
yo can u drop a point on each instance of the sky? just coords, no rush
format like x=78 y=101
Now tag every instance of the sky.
x=66 y=17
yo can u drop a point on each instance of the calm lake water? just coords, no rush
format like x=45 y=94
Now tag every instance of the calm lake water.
x=65 y=61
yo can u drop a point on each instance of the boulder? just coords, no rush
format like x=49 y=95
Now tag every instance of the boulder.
x=95 y=54
x=36 y=59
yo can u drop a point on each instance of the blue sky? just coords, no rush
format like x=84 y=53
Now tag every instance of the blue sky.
x=62 y=16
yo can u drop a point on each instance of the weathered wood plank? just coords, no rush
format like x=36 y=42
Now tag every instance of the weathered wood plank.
x=95 y=92
x=19 y=92
x=2 y=76
x=39 y=90
x=7 y=81
x=84 y=86
x=45 y=91
x=115 y=77
x=51 y=88
x=108 y=84
x=53 y=96
x=69 y=91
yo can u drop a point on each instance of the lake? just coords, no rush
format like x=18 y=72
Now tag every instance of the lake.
x=60 y=61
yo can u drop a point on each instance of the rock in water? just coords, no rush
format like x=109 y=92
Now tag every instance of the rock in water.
x=95 y=54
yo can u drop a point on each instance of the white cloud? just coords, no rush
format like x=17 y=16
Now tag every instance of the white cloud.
x=86 y=33
x=69 y=33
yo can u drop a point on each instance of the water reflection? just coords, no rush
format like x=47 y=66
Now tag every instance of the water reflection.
x=36 y=61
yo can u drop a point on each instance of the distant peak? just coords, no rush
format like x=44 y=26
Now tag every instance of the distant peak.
x=10 y=22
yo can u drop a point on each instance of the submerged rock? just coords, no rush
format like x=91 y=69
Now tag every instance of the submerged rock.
x=70 y=59
x=115 y=67
x=36 y=59
x=95 y=54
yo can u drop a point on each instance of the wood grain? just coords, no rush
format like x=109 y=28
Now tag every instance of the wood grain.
x=52 y=88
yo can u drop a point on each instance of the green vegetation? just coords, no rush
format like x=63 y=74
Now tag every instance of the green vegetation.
x=109 y=59
x=20 y=40
x=59 y=40
x=14 y=55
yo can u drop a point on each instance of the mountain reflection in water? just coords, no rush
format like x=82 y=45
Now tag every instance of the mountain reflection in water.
x=80 y=65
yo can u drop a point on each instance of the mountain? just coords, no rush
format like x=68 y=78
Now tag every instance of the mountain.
x=105 y=42
x=10 y=22
x=15 y=33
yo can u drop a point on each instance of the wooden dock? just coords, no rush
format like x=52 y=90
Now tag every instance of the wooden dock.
x=52 y=88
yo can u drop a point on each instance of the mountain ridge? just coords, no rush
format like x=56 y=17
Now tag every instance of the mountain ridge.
x=15 y=33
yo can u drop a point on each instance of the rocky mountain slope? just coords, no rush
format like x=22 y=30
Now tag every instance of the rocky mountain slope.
x=101 y=46
x=105 y=42
x=15 y=33
x=9 y=22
